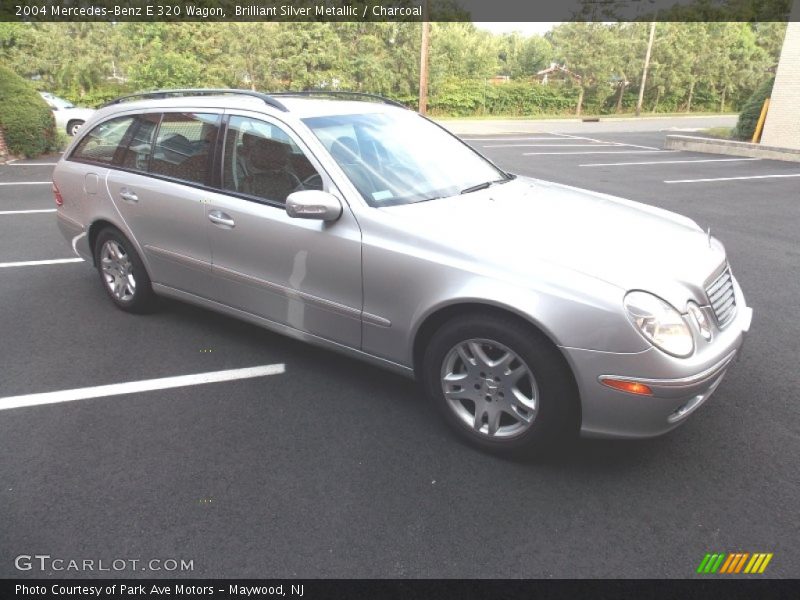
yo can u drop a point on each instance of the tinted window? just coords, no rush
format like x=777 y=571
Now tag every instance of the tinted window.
x=261 y=160
x=102 y=142
x=136 y=153
x=183 y=145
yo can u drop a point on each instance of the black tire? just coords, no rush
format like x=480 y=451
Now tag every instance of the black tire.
x=557 y=415
x=73 y=127
x=142 y=299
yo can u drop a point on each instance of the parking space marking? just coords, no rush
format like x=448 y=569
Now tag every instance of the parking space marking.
x=511 y=139
x=578 y=137
x=36 y=263
x=146 y=385
x=567 y=145
x=27 y=212
x=604 y=152
x=732 y=178
x=26 y=183
x=667 y=162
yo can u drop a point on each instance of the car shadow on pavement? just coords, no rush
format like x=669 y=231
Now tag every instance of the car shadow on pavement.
x=365 y=382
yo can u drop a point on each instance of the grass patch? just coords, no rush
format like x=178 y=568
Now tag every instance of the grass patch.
x=723 y=133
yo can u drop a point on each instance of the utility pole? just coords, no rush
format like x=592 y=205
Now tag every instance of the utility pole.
x=646 y=64
x=423 y=61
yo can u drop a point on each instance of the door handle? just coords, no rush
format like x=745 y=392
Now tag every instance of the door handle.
x=222 y=219
x=128 y=196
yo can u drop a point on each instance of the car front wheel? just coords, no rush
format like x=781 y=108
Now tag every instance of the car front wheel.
x=500 y=385
x=73 y=127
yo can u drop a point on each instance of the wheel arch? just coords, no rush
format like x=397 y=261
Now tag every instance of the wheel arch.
x=94 y=230
x=71 y=122
x=438 y=317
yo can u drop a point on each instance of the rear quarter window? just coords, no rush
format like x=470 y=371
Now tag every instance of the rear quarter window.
x=102 y=142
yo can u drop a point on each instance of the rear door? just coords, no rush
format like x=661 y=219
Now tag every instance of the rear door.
x=160 y=186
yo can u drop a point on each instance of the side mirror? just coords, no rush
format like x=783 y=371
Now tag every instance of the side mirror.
x=313 y=204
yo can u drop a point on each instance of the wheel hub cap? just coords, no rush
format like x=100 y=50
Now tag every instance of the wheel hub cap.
x=117 y=271
x=489 y=388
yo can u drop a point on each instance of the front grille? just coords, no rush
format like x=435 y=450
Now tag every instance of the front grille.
x=721 y=298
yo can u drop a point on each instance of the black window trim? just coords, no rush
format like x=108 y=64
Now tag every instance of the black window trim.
x=218 y=152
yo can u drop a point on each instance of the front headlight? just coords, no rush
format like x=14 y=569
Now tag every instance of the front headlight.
x=659 y=323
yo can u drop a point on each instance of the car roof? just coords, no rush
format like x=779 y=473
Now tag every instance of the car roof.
x=297 y=106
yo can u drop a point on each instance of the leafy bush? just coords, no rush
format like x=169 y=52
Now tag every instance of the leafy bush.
x=26 y=120
x=96 y=97
x=748 y=118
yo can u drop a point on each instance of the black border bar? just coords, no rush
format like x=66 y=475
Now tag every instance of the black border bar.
x=745 y=588
x=396 y=10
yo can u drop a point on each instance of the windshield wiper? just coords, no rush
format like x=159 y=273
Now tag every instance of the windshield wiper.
x=485 y=184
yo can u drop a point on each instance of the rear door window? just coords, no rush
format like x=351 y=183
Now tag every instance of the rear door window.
x=135 y=155
x=183 y=146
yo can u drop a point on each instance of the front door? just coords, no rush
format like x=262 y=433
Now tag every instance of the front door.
x=304 y=274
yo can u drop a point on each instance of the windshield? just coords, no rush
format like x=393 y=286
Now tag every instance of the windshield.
x=56 y=102
x=400 y=157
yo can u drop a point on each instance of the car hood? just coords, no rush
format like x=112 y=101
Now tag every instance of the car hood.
x=518 y=225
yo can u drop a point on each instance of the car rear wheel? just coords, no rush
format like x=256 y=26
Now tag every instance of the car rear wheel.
x=73 y=127
x=122 y=272
x=500 y=385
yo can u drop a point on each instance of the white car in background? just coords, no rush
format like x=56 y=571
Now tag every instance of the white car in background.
x=69 y=118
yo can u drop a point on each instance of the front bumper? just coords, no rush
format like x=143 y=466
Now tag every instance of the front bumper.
x=680 y=386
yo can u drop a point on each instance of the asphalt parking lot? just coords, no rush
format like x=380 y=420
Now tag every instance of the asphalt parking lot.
x=331 y=468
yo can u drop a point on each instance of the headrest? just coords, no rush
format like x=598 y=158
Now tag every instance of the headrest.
x=269 y=154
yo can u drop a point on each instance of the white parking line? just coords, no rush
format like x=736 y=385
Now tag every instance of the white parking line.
x=27 y=212
x=35 y=263
x=731 y=178
x=666 y=162
x=578 y=137
x=604 y=152
x=567 y=145
x=511 y=139
x=147 y=385
x=26 y=183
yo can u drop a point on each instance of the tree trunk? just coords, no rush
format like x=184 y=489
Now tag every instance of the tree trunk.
x=658 y=97
x=580 y=103
x=691 y=92
x=722 y=101
x=619 y=96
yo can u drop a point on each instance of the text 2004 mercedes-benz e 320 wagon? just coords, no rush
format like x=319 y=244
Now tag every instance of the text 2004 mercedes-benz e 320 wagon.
x=527 y=309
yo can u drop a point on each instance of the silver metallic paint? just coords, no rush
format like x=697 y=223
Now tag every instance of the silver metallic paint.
x=559 y=257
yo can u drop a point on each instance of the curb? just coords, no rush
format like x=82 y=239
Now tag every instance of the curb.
x=730 y=147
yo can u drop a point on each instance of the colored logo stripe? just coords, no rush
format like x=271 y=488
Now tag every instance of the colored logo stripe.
x=734 y=562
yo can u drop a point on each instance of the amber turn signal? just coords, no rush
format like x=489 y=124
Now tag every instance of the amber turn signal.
x=632 y=387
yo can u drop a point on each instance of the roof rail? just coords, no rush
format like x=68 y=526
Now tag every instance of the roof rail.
x=199 y=92
x=358 y=95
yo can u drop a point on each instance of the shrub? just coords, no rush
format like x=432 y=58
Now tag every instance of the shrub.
x=748 y=118
x=26 y=120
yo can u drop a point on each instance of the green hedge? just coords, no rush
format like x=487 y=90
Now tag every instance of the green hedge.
x=748 y=118
x=26 y=120
x=466 y=98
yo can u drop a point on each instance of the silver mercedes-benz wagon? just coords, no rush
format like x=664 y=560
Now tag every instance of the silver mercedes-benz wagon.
x=527 y=310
